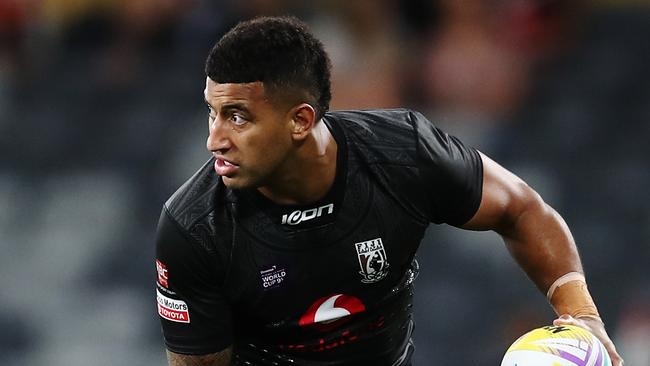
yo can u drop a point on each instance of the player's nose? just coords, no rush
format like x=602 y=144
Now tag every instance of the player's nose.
x=218 y=136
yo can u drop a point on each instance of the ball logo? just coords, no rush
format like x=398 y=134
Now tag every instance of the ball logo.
x=331 y=311
x=298 y=216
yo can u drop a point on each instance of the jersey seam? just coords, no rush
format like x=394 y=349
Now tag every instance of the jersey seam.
x=392 y=164
x=413 y=131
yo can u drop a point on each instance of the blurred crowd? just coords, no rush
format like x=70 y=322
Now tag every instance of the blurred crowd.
x=102 y=117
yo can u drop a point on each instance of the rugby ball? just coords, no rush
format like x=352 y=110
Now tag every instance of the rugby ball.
x=564 y=345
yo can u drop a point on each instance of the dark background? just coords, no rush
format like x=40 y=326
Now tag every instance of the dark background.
x=102 y=117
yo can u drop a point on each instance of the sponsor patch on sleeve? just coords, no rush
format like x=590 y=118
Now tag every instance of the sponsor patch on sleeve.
x=163 y=274
x=171 y=309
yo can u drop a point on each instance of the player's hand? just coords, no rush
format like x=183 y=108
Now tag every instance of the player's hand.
x=596 y=327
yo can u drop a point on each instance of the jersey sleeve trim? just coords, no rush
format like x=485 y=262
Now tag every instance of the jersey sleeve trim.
x=478 y=194
x=196 y=348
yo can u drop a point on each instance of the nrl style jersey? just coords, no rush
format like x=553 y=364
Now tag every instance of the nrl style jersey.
x=328 y=283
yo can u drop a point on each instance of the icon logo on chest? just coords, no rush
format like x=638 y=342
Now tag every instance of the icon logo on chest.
x=372 y=260
x=298 y=216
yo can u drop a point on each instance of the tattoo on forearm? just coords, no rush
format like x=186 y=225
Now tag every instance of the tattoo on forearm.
x=214 y=359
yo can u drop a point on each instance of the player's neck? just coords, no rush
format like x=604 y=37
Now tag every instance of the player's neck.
x=309 y=174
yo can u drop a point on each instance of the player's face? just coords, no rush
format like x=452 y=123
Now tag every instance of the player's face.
x=248 y=135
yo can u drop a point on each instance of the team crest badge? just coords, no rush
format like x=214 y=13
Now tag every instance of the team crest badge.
x=373 y=260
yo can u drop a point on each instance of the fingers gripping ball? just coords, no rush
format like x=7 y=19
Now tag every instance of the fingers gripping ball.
x=564 y=345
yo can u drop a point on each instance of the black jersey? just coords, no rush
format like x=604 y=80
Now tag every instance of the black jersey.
x=322 y=284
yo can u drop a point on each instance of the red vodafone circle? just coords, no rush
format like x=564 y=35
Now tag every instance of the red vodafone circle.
x=329 y=309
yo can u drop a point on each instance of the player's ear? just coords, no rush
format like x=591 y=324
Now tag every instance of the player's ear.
x=303 y=118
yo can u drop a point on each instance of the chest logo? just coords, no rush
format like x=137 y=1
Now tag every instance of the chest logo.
x=272 y=277
x=330 y=311
x=372 y=260
x=298 y=216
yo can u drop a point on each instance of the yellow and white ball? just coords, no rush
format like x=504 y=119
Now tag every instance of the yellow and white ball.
x=564 y=345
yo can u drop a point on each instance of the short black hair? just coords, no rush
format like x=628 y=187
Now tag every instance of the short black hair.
x=278 y=51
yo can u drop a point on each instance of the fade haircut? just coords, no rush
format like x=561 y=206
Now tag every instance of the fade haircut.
x=281 y=53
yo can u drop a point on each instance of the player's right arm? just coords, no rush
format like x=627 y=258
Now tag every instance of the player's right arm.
x=541 y=242
x=467 y=182
x=222 y=358
x=194 y=311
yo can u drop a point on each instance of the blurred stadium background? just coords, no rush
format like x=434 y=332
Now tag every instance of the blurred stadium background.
x=101 y=118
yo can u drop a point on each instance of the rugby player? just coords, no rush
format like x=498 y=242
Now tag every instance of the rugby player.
x=295 y=243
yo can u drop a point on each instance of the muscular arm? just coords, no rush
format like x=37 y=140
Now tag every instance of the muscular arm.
x=221 y=358
x=536 y=235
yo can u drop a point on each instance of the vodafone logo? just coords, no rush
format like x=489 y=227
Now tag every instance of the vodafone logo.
x=330 y=309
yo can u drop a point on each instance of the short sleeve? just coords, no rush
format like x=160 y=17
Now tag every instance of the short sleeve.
x=195 y=316
x=452 y=174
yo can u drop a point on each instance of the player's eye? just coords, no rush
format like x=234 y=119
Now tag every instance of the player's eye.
x=238 y=120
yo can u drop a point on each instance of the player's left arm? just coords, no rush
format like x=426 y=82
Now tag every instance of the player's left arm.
x=542 y=244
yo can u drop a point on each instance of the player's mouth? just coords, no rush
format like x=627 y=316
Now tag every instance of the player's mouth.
x=224 y=167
